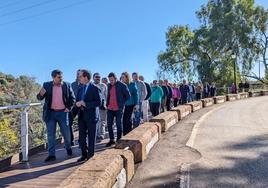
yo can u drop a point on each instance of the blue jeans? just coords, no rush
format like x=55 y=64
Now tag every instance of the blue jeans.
x=62 y=118
x=110 y=121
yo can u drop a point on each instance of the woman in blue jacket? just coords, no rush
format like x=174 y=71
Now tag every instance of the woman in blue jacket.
x=131 y=103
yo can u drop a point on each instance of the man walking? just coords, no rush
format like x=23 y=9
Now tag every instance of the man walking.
x=169 y=95
x=102 y=109
x=88 y=100
x=165 y=96
x=59 y=100
x=142 y=95
x=118 y=94
x=191 y=92
x=184 y=92
x=145 y=104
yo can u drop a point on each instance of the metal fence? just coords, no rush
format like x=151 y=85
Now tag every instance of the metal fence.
x=24 y=126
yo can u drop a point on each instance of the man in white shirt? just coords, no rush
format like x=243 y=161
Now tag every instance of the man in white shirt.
x=101 y=125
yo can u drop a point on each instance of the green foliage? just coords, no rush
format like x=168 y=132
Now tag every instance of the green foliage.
x=8 y=138
x=227 y=27
x=20 y=90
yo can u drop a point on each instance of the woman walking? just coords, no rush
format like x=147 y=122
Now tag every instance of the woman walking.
x=130 y=104
x=156 y=98
x=176 y=94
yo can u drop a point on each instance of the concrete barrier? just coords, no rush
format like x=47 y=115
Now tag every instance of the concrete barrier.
x=255 y=93
x=207 y=102
x=128 y=159
x=101 y=171
x=219 y=99
x=141 y=140
x=182 y=110
x=264 y=92
x=231 y=97
x=166 y=119
x=243 y=95
x=196 y=105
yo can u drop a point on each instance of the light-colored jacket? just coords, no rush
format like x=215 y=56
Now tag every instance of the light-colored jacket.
x=103 y=89
x=142 y=91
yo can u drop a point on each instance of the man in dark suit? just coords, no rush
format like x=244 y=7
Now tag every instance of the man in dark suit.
x=118 y=94
x=88 y=99
x=59 y=100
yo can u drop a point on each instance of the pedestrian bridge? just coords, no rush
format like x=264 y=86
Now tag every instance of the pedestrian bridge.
x=110 y=167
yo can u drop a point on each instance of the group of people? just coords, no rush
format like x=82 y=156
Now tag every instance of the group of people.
x=101 y=103
x=166 y=95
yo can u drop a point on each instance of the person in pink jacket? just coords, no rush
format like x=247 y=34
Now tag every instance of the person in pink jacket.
x=176 y=94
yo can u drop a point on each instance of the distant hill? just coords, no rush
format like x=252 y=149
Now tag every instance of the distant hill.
x=13 y=91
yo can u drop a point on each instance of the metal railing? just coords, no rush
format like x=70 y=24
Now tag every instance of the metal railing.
x=24 y=126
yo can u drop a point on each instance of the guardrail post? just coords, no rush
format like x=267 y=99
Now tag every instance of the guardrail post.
x=24 y=135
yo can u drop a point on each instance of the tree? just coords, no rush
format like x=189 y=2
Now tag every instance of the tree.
x=226 y=28
x=8 y=139
x=261 y=35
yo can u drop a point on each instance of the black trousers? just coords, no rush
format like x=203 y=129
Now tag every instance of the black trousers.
x=175 y=102
x=87 y=130
x=127 y=121
x=155 y=108
x=168 y=103
x=198 y=96
x=184 y=100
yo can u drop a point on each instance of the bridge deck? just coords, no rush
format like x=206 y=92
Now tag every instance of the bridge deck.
x=38 y=174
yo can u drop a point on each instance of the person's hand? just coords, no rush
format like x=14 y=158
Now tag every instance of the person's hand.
x=78 y=104
x=42 y=92
x=137 y=107
x=83 y=103
x=66 y=110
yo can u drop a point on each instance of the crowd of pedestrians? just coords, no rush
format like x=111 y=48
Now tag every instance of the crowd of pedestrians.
x=102 y=104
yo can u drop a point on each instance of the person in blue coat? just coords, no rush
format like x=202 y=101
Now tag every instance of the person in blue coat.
x=132 y=102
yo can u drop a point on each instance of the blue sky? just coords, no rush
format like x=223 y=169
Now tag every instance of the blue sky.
x=99 y=35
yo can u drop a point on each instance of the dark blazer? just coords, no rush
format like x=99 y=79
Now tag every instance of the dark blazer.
x=184 y=91
x=169 y=92
x=122 y=94
x=67 y=95
x=92 y=99
x=149 y=91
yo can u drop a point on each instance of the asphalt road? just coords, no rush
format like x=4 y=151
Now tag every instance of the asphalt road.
x=233 y=142
x=221 y=146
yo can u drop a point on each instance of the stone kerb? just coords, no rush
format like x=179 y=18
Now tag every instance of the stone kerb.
x=182 y=110
x=207 y=102
x=141 y=140
x=101 y=171
x=128 y=159
x=244 y=95
x=255 y=93
x=196 y=105
x=264 y=92
x=166 y=119
x=231 y=97
x=219 y=99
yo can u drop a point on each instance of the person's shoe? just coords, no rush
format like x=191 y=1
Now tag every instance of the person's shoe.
x=50 y=158
x=110 y=143
x=69 y=152
x=82 y=158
